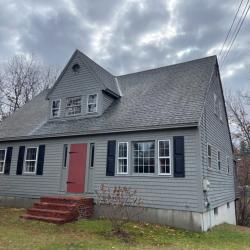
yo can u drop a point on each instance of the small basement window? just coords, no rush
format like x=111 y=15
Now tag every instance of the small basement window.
x=2 y=160
x=55 y=109
x=216 y=211
x=122 y=158
x=92 y=103
x=164 y=157
x=228 y=204
x=30 y=160
x=209 y=156
x=74 y=106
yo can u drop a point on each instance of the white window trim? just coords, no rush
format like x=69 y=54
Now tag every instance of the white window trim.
x=59 y=112
x=209 y=157
x=89 y=103
x=164 y=157
x=24 y=167
x=4 y=161
x=218 y=160
x=66 y=107
x=122 y=158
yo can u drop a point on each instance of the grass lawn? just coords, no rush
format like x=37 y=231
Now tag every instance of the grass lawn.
x=96 y=234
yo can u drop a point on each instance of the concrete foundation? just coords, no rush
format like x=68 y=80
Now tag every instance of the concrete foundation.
x=18 y=202
x=188 y=220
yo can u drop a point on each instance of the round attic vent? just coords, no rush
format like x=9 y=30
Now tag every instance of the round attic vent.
x=76 y=68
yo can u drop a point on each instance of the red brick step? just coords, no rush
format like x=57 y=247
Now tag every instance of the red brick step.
x=50 y=213
x=60 y=209
x=55 y=206
x=46 y=219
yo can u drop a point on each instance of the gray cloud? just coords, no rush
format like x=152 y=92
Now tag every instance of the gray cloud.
x=125 y=36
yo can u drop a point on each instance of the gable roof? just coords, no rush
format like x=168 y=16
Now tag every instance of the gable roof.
x=103 y=77
x=166 y=97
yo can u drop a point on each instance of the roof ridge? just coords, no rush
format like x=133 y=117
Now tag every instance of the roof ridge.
x=167 y=66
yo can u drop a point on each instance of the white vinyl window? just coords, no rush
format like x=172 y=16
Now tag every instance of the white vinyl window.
x=30 y=160
x=209 y=156
x=144 y=157
x=74 y=106
x=164 y=160
x=122 y=158
x=2 y=160
x=92 y=103
x=219 y=160
x=55 y=108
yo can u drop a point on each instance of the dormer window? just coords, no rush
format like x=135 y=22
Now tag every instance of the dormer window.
x=92 y=103
x=55 y=109
x=74 y=106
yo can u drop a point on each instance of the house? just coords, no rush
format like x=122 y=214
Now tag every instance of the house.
x=162 y=132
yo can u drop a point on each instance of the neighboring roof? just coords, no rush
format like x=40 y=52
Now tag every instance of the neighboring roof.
x=171 y=96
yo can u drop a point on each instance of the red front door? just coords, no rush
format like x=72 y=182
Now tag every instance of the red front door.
x=77 y=167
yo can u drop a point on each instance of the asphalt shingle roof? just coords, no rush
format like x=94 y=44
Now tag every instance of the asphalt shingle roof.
x=170 y=96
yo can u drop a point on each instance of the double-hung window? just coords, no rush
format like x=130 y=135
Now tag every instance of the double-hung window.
x=209 y=156
x=2 y=160
x=144 y=157
x=30 y=160
x=164 y=161
x=73 y=106
x=122 y=158
x=92 y=103
x=55 y=109
x=219 y=160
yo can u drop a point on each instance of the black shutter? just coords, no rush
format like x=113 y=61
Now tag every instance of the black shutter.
x=179 y=164
x=40 y=160
x=19 y=169
x=8 y=160
x=110 y=168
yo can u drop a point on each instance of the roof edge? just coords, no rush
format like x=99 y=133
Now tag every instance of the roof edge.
x=99 y=132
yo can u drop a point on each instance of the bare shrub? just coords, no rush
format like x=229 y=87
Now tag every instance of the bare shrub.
x=243 y=206
x=119 y=205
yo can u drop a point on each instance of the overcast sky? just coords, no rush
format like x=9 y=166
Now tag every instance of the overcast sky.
x=126 y=36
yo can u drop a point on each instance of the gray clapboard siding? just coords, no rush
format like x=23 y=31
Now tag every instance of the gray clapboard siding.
x=156 y=191
x=107 y=101
x=215 y=132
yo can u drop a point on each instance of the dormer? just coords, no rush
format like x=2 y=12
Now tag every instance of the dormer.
x=83 y=89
